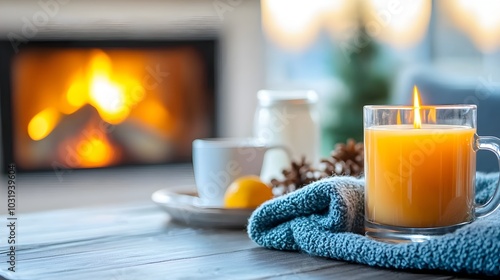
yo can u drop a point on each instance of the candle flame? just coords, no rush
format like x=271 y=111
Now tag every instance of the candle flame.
x=417 y=122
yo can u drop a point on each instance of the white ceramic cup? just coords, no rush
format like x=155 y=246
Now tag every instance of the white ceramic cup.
x=217 y=162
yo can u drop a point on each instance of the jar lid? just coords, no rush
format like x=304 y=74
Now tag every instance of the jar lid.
x=292 y=97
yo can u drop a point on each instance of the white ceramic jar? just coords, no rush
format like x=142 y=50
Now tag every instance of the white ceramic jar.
x=287 y=118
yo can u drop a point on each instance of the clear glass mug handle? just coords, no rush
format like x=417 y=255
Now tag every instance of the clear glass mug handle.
x=491 y=144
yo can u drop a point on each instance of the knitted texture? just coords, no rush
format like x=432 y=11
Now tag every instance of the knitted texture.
x=326 y=218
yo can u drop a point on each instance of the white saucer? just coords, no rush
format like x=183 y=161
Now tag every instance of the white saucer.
x=185 y=207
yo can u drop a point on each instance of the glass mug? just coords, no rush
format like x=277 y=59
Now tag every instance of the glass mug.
x=420 y=171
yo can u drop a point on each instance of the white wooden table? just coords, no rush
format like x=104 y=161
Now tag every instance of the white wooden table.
x=136 y=240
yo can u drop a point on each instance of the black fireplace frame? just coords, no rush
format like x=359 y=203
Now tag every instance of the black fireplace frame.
x=207 y=47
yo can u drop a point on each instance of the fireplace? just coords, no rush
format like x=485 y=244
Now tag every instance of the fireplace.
x=224 y=48
x=104 y=103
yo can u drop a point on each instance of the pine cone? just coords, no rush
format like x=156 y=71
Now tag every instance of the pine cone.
x=299 y=175
x=346 y=159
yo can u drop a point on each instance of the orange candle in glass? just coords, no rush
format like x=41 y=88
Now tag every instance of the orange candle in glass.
x=420 y=175
x=429 y=183
x=420 y=166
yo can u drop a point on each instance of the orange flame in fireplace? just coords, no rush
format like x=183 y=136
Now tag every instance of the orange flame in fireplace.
x=86 y=108
x=107 y=94
x=98 y=152
x=43 y=123
x=90 y=148
x=111 y=95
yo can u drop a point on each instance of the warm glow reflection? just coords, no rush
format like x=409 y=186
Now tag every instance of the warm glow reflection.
x=398 y=118
x=431 y=117
x=294 y=24
x=340 y=18
x=43 y=123
x=399 y=23
x=478 y=19
x=417 y=122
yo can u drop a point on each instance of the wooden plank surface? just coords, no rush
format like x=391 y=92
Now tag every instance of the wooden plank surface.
x=139 y=241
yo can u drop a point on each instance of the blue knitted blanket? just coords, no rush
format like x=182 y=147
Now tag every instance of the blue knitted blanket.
x=326 y=219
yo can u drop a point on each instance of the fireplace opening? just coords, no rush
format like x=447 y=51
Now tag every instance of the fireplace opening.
x=95 y=104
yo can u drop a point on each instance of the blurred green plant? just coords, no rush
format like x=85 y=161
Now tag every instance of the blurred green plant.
x=364 y=67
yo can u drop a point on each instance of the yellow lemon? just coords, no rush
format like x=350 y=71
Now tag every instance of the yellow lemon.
x=247 y=192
